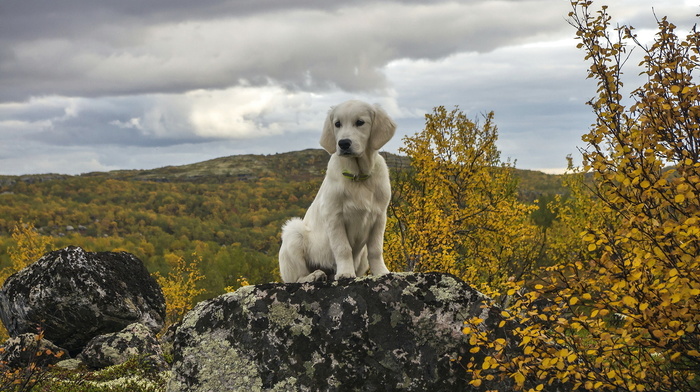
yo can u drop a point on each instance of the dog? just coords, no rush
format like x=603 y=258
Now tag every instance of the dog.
x=342 y=233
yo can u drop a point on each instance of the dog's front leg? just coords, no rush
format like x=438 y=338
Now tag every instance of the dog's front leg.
x=375 y=247
x=340 y=246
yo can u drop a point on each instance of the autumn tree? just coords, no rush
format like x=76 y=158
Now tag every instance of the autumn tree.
x=456 y=209
x=623 y=314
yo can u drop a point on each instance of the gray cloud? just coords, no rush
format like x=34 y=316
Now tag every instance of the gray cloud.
x=140 y=84
x=113 y=51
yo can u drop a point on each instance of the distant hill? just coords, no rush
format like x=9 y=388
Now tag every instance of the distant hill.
x=291 y=166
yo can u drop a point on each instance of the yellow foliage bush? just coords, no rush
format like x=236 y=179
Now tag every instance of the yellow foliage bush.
x=180 y=286
x=621 y=308
x=29 y=246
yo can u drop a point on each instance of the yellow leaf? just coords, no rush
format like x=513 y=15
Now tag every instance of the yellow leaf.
x=679 y=198
x=573 y=301
x=675 y=89
x=629 y=301
x=475 y=382
x=487 y=363
x=519 y=378
x=591 y=247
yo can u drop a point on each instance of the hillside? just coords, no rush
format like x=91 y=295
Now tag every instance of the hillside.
x=226 y=211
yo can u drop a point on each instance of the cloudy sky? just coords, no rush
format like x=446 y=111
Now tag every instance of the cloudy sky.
x=100 y=85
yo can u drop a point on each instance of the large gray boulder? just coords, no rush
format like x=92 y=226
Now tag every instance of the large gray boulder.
x=397 y=332
x=72 y=296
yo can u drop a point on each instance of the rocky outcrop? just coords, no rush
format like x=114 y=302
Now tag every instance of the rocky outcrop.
x=389 y=333
x=397 y=332
x=118 y=347
x=73 y=296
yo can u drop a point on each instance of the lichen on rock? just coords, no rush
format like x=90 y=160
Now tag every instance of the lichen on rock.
x=394 y=332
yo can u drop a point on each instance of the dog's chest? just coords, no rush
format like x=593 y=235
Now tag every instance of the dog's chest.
x=362 y=200
x=361 y=208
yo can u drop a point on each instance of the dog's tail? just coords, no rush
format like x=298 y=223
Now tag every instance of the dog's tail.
x=294 y=227
x=291 y=256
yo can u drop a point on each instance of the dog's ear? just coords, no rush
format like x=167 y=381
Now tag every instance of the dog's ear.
x=328 y=135
x=383 y=128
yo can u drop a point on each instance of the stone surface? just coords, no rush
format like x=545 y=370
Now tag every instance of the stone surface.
x=118 y=347
x=394 y=332
x=72 y=296
x=30 y=349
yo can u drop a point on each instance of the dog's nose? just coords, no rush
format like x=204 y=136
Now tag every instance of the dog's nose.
x=344 y=144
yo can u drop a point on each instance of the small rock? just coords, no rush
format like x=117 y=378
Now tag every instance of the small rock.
x=30 y=349
x=70 y=364
x=116 y=348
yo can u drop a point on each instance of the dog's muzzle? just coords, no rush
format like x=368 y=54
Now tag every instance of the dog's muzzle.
x=345 y=146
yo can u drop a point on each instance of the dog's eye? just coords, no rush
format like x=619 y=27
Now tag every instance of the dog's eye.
x=338 y=124
x=359 y=123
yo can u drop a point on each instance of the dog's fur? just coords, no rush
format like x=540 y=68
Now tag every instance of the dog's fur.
x=342 y=233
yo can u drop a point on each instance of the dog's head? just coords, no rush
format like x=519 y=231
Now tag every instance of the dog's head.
x=354 y=127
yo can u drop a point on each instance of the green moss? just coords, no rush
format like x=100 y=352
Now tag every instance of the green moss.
x=134 y=375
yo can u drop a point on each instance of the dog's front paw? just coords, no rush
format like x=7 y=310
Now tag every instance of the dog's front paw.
x=347 y=275
x=316 y=276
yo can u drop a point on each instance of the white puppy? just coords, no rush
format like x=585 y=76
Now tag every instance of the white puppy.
x=342 y=233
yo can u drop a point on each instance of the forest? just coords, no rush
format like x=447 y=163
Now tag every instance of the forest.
x=228 y=211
